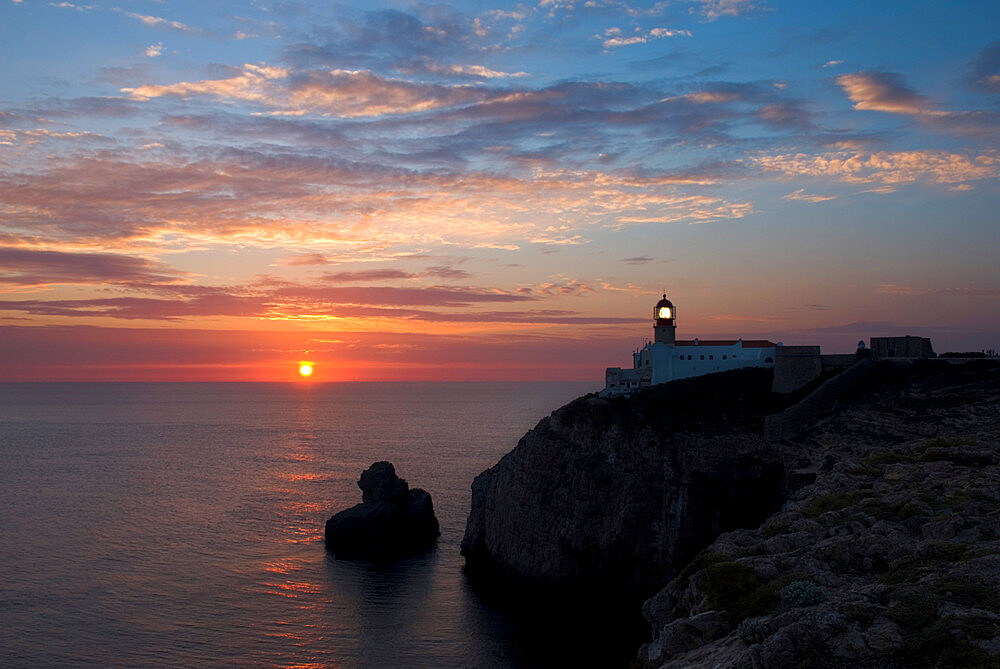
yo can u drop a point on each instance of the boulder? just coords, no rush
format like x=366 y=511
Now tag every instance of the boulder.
x=392 y=521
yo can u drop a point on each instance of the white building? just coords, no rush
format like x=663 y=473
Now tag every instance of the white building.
x=667 y=358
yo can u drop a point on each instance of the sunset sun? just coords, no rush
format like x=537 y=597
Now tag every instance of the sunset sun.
x=305 y=369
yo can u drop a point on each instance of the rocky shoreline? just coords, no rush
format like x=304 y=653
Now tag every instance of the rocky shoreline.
x=870 y=539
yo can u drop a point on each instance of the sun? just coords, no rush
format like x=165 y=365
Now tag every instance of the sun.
x=305 y=369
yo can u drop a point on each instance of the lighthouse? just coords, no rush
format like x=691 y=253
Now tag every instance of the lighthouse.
x=664 y=322
x=667 y=358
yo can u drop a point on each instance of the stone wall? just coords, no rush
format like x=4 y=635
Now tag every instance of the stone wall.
x=838 y=360
x=795 y=367
x=796 y=418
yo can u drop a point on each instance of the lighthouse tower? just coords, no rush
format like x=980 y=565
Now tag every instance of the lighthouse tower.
x=664 y=322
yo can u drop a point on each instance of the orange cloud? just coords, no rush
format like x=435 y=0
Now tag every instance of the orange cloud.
x=886 y=167
x=882 y=91
x=344 y=93
x=104 y=203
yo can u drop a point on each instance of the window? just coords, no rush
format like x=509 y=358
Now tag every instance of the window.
x=768 y=360
x=711 y=357
x=723 y=356
x=702 y=357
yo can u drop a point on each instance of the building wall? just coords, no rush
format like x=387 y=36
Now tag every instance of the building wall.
x=658 y=362
x=618 y=380
x=902 y=347
x=681 y=362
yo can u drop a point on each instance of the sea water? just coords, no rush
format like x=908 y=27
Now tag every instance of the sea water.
x=180 y=524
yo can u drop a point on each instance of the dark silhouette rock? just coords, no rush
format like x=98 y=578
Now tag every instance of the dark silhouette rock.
x=392 y=521
x=622 y=492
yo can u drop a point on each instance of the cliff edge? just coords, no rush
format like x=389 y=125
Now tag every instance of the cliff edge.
x=623 y=491
x=867 y=536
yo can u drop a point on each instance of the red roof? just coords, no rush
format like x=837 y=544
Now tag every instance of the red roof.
x=747 y=343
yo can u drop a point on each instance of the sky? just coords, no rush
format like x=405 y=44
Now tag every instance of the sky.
x=487 y=190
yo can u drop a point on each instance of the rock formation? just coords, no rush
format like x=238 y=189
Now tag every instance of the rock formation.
x=891 y=558
x=392 y=521
x=624 y=491
x=867 y=536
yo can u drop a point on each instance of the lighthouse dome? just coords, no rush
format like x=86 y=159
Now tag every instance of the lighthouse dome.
x=664 y=309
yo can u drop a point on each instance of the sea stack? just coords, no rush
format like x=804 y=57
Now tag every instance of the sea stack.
x=391 y=522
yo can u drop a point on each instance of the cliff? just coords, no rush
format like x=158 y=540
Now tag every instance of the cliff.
x=867 y=534
x=890 y=559
x=622 y=491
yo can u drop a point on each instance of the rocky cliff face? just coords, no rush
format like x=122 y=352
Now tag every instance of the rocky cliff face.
x=624 y=491
x=890 y=559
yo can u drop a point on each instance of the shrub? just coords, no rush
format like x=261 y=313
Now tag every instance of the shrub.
x=802 y=593
x=752 y=630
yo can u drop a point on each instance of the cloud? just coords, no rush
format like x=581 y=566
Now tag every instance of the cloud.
x=37 y=135
x=154 y=50
x=613 y=37
x=283 y=200
x=32 y=267
x=985 y=75
x=637 y=260
x=627 y=288
x=306 y=259
x=427 y=66
x=786 y=114
x=384 y=39
x=801 y=196
x=886 y=167
x=269 y=300
x=715 y=9
x=366 y=275
x=159 y=22
x=68 y=5
x=962 y=291
x=73 y=108
x=832 y=63
x=446 y=272
x=560 y=286
x=883 y=91
x=344 y=93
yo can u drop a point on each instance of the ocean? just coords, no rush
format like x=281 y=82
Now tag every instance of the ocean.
x=181 y=524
